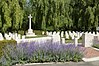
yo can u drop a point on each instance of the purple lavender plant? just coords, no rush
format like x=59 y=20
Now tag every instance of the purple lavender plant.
x=42 y=52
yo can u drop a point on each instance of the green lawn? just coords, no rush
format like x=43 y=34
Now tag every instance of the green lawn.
x=38 y=36
x=71 y=41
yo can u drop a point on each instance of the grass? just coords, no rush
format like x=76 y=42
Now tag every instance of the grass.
x=37 y=32
x=38 y=36
x=96 y=46
x=71 y=41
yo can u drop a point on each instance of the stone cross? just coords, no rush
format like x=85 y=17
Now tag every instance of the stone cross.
x=30 y=21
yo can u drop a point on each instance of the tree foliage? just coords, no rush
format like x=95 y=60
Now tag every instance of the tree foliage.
x=11 y=14
x=82 y=15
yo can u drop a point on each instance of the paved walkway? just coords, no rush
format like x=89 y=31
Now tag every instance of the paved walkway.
x=90 y=52
x=95 y=63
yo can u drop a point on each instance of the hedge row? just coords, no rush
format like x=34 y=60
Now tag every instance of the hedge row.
x=4 y=43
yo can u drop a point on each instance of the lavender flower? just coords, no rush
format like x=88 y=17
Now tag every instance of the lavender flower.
x=41 y=52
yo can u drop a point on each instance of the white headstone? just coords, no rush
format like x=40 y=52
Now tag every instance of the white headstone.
x=71 y=35
x=89 y=32
x=63 y=40
x=54 y=33
x=81 y=33
x=96 y=39
x=13 y=36
x=47 y=32
x=76 y=41
x=23 y=37
x=1 y=37
x=78 y=35
x=66 y=34
x=16 y=35
x=50 y=34
x=93 y=33
x=87 y=40
x=43 y=32
x=74 y=33
x=62 y=34
x=58 y=33
x=56 y=38
x=10 y=34
x=19 y=36
x=7 y=37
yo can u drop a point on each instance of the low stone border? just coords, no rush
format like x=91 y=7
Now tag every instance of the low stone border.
x=50 y=63
x=36 y=64
x=95 y=48
x=90 y=59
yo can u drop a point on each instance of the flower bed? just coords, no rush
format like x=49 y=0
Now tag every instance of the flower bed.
x=40 y=53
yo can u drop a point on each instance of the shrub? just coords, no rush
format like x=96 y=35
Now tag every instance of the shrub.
x=4 y=43
x=40 y=52
x=38 y=32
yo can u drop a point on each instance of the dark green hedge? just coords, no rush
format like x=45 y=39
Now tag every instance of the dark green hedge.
x=5 y=43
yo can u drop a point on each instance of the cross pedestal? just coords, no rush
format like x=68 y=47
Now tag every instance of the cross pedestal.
x=30 y=31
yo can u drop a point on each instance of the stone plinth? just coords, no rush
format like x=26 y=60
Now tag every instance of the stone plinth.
x=30 y=33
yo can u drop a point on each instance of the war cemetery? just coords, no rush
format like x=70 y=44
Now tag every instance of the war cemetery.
x=48 y=31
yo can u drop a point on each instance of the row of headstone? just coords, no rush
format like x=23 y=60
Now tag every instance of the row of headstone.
x=10 y=36
x=65 y=34
x=69 y=34
x=61 y=36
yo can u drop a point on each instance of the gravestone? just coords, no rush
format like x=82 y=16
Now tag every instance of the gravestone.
x=50 y=34
x=71 y=35
x=16 y=36
x=96 y=40
x=43 y=32
x=47 y=32
x=74 y=33
x=90 y=33
x=7 y=37
x=76 y=41
x=19 y=36
x=23 y=37
x=13 y=36
x=78 y=35
x=10 y=34
x=54 y=33
x=58 y=33
x=63 y=40
x=81 y=33
x=56 y=38
x=62 y=34
x=87 y=40
x=1 y=37
x=66 y=35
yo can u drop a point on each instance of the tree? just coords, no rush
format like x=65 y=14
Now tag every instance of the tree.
x=11 y=14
